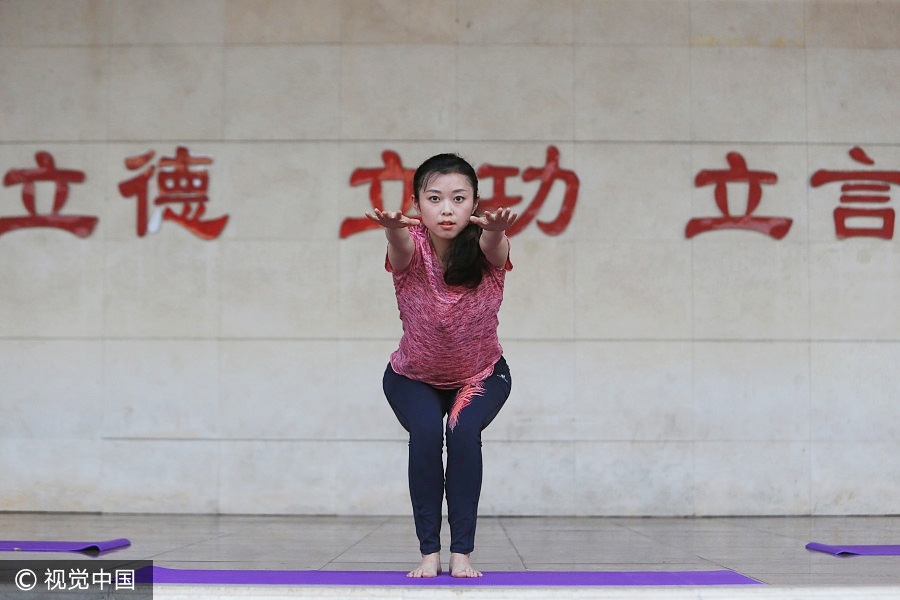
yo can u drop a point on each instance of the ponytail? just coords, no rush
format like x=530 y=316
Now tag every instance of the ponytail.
x=465 y=260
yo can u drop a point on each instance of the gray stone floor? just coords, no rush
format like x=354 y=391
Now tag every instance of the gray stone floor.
x=768 y=549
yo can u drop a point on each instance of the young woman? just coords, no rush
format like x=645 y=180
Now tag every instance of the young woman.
x=448 y=267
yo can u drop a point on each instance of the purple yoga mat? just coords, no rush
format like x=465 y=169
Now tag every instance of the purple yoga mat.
x=395 y=578
x=43 y=546
x=842 y=550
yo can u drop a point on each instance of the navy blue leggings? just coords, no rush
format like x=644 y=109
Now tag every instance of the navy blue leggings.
x=421 y=408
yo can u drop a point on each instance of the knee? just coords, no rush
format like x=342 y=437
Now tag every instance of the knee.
x=464 y=436
x=427 y=436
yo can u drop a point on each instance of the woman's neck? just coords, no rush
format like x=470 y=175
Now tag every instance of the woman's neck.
x=441 y=247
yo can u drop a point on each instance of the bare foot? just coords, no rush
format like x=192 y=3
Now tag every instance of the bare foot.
x=429 y=567
x=461 y=567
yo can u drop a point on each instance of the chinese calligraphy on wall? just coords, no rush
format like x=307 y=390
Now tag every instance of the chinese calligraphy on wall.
x=180 y=195
x=862 y=187
x=182 y=180
x=393 y=170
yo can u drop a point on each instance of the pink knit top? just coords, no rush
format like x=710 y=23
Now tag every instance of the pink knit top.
x=449 y=332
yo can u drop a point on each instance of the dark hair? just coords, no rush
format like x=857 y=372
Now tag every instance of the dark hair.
x=464 y=261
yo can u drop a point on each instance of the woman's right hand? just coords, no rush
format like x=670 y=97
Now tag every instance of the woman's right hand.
x=391 y=220
x=400 y=244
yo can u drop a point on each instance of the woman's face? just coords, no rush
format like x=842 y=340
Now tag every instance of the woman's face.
x=446 y=204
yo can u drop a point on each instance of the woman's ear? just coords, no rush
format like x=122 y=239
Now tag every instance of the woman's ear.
x=475 y=206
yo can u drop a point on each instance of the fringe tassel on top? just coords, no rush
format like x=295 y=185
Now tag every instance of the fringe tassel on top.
x=463 y=398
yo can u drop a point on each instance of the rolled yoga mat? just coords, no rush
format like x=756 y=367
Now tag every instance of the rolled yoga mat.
x=398 y=578
x=48 y=546
x=844 y=550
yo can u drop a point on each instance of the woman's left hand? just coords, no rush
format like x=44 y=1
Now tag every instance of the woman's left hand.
x=499 y=220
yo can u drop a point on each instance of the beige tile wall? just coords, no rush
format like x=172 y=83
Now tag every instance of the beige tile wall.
x=654 y=375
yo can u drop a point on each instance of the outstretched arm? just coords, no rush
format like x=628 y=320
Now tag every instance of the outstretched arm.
x=400 y=244
x=493 y=241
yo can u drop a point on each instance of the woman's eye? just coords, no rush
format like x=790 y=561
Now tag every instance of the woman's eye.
x=434 y=198
x=459 y=199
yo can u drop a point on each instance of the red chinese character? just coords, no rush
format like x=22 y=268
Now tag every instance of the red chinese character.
x=868 y=183
x=80 y=225
x=547 y=175
x=499 y=199
x=393 y=170
x=179 y=181
x=138 y=187
x=776 y=227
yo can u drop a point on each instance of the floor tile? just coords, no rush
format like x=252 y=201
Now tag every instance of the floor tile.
x=770 y=549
